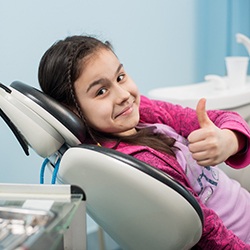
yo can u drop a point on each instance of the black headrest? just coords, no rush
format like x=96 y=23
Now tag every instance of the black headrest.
x=65 y=116
x=38 y=120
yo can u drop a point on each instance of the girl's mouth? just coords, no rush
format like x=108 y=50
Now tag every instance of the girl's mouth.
x=125 y=111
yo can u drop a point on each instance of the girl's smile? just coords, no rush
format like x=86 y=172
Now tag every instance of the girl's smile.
x=126 y=111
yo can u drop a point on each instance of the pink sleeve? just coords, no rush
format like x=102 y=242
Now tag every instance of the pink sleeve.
x=215 y=235
x=184 y=121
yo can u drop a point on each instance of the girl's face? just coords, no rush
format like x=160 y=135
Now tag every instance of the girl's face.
x=108 y=97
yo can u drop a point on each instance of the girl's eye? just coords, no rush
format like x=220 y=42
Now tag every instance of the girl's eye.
x=101 y=91
x=120 y=77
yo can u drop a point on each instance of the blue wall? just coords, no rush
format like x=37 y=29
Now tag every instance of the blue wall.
x=216 y=23
x=161 y=43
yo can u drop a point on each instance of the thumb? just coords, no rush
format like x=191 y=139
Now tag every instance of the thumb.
x=201 y=112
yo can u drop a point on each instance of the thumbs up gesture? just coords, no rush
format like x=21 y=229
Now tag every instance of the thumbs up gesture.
x=209 y=144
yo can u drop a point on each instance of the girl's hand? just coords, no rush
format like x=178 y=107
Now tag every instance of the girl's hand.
x=211 y=145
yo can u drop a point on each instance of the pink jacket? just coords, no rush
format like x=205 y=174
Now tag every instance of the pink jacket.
x=184 y=120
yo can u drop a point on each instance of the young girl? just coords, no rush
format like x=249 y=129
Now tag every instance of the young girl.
x=85 y=75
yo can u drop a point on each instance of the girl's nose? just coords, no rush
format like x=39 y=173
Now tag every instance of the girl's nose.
x=121 y=94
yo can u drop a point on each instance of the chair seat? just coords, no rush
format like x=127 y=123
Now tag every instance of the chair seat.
x=137 y=210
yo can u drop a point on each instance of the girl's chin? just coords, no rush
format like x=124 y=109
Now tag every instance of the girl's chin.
x=127 y=132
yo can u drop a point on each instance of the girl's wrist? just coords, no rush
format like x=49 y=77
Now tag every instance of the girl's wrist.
x=239 y=140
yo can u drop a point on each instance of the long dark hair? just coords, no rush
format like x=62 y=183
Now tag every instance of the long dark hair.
x=61 y=66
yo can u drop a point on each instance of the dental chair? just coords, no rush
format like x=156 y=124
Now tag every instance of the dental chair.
x=139 y=206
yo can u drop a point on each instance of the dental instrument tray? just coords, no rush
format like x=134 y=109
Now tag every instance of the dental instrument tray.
x=38 y=217
x=17 y=225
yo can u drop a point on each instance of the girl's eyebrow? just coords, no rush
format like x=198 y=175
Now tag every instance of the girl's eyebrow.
x=103 y=79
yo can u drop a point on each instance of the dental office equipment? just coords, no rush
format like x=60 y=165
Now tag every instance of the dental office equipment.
x=122 y=192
